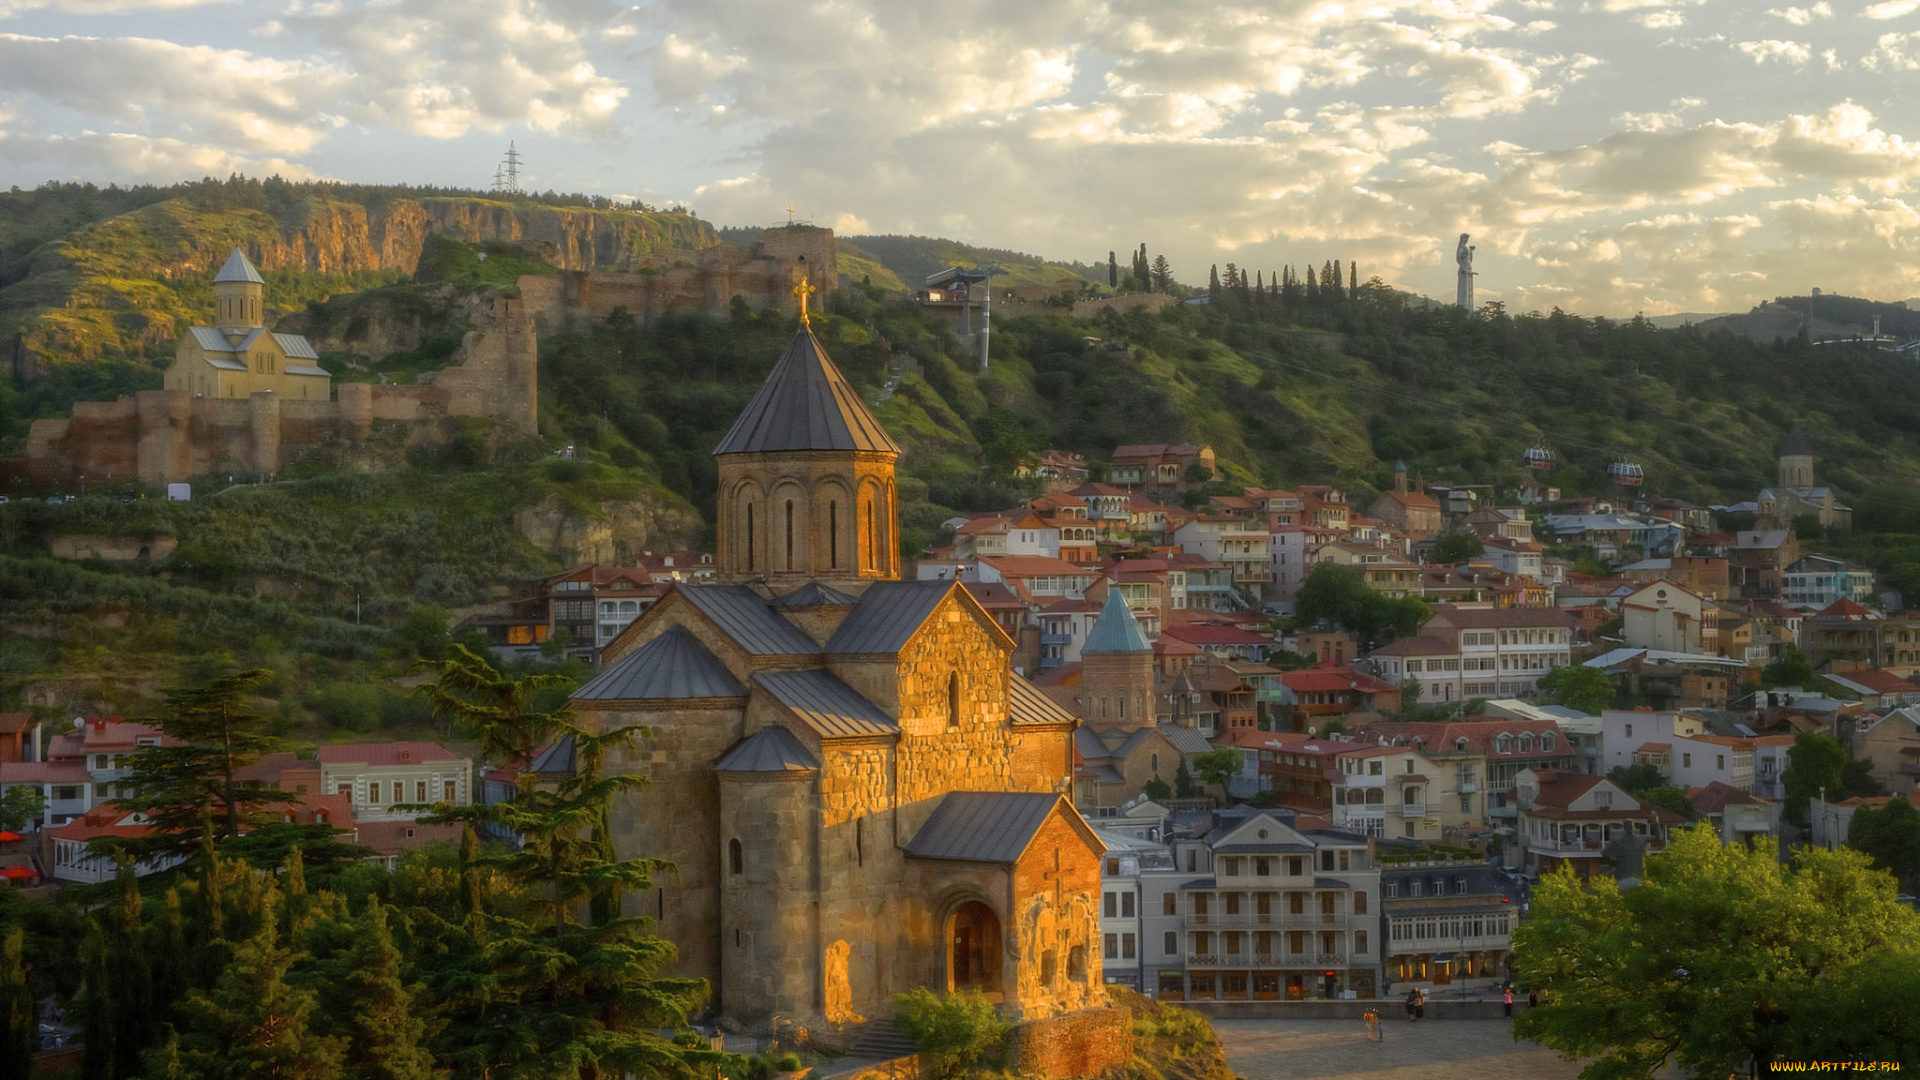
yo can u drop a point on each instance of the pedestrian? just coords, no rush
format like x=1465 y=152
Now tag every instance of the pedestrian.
x=1507 y=1001
x=1419 y=1005
x=1413 y=1002
x=1533 y=999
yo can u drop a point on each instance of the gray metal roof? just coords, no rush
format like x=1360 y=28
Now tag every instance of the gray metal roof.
x=673 y=665
x=1027 y=705
x=1185 y=739
x=805 y=404
x=1330 y=883
x=225 y=364
x=1115 y=630
x=1262 y=847
x=238 y=268
x=887 y=615
x=830 y=707
x=982 y=826
x=1088 y=742
x=1796 y=443
x=771 y=749
x=307 y=369
x=297 y=347
x=556 y=759
x=210 y=339
x=814 y=594
x=742 y=615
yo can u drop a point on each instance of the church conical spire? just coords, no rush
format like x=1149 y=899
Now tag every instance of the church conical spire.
x=1115 y=630
x=805 y=404
x=239 y=268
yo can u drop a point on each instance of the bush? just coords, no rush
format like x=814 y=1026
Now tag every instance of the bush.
x=955 y=1033
x=349 y=706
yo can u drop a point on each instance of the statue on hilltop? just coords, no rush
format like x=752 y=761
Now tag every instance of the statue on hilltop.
x=1464 y=256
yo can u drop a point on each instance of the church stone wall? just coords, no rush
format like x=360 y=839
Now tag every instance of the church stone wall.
x=1058 y=881
x=1077 y=1044
x=769 y=963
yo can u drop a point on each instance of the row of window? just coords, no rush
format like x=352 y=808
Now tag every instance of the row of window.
x=449 y=791
x=1451 y=926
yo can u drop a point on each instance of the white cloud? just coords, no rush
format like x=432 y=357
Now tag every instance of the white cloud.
x=1786 y=52
x=1800 y=16
x=1892 y=9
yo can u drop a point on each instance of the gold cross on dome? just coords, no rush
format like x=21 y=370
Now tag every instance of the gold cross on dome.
x=800 y=294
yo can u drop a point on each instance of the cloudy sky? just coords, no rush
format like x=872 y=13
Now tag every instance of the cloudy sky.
x=1609 y=156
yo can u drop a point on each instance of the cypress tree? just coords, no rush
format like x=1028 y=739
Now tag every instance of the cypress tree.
x=375 y=1012
x=1162 y=274
x=18 y=1031
x=1312 y=286
x=126 y=947
x=1353 y=279
x=253 y=1025
x=1113 y=270
x=97 y=1026
x=1213 y=283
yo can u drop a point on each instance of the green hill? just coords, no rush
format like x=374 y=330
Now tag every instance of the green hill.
x=1289 y=389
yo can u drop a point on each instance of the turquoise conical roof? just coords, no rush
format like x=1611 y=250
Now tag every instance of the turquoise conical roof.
x=1116 y=630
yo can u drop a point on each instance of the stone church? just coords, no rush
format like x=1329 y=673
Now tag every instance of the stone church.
x=858 y=793
x=238 y=356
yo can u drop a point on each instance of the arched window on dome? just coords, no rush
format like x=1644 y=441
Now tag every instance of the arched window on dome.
x=735 y=861
x=833 y=534
x=789 y=534
x=749 y=536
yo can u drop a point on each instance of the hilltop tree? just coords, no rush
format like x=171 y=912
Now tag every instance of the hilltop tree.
x=186 y=785
x=1213 y=283
x=1162 y=274
x=1722 y=960
x=1113 y=271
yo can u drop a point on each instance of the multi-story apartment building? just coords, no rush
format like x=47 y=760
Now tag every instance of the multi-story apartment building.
x=1158 y=468
x=1814 y=581
x=380 y=777
x=1570 y=818
x=1122 y=902
x=1239 y=546
x=83 y=767
x=1444 y=921
x=1467 y=652
x=1680 y=746
x=1479 y=760
x=1259 y=908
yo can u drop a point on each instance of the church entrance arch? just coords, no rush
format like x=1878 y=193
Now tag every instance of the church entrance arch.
x=973 y=949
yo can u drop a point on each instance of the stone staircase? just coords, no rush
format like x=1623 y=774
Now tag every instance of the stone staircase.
x=880 y=1040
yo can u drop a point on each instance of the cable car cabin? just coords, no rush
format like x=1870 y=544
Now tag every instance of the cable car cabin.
x=1626 y=473
x=1540 y=458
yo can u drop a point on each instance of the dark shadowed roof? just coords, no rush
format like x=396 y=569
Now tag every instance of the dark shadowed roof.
x=556 y=759
x=983 y=826
x=805 y=404
x=814 y=594
x=672 y=665
x=742 y=615
x=1796 y=443
x=824 y=703
x=1027 y=705
x=887 y=615
x=771 y=749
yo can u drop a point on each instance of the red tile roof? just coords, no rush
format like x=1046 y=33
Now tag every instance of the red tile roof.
x=393 y=753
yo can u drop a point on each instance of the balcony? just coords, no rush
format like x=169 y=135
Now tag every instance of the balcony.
x=1277 y=959
x=1467 y=787
x=1411 y=810
x=1056 y=639
x=1309 y=920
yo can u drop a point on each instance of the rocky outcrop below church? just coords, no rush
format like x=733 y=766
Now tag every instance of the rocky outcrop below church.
x=613 y=533
x=126 y=287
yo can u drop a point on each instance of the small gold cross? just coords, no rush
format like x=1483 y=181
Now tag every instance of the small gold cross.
x=800 y=294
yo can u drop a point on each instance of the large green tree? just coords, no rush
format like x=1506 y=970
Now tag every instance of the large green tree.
x=1814 y=764
x=1578 y=686
x=253 y=1024
x=187 y=786
x=1890 y=836
x=1340 y=595
x=20 y=806
x=1218 y=767
x=1708 y=964
x=1457 y=547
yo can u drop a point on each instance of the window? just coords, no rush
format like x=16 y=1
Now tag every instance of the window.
x=1359 y=903
x=1686 y=761
x=1466 y=804
x=1126 y=947
x=789 y=534
x=1169 y=903
x=1629 y=731
x=373 y=793
x=1111 y=946
x=1359 y=941
x=343 y=789
x=1296 y=865
x=1170 y=944
x=1126 y=905
x=833 y=535
x=953 y=700
x=1719 y=761
x=419 y=791
x=449 y=790
x=1391 y=890
x=749 y=536
x=1263 y=867
x=1109 y=907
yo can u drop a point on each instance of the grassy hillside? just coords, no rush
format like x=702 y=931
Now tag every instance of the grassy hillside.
x=914 y=258
x=88 y=275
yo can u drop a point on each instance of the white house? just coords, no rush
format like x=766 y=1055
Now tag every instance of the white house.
x=381 y=777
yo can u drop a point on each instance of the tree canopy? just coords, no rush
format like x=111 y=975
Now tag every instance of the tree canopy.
x=1341 y=596
x=1721 y=960
x=1814 y=763
x=1578 y=686
x=1890 y=836
x=1457 y=547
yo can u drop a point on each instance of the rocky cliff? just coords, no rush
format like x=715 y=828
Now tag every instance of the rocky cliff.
x=615 y=534
x=126 y=286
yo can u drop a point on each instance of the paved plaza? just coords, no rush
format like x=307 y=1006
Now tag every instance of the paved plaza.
x=1429 y=1050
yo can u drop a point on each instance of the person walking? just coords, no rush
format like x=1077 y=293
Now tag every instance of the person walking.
x=1507 y=1001
x=1419 y=1005
x=1413 y=1002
